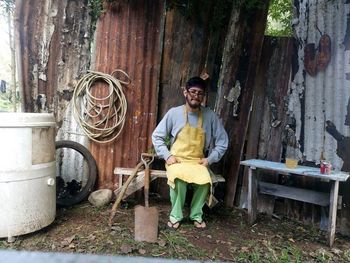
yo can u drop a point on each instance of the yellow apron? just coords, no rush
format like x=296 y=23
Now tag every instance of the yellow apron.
x=188 y=149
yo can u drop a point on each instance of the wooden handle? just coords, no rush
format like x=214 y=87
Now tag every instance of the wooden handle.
x=146 y=189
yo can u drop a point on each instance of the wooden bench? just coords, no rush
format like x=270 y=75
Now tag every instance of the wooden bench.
x=138 y=182
x=304 y=195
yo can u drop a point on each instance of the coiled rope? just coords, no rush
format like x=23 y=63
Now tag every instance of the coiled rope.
x=101 y=117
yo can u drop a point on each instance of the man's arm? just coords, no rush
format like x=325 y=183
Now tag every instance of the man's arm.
x=220 y=140
x=162 y=131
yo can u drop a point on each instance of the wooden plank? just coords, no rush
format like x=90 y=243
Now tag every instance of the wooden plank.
x=300 y=170
x=138 y=182
x=252 y=196
x=298 y=194
x=332 y=212
x=255 y=120
x=216 y=178
x=135 y=185
x=128 y=171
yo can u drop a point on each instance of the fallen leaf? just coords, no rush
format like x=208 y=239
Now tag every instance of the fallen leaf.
x=162 y=243
x=116 y=228
x=91 y=237
x=245 y=249
x=180 y=249
x=336 y=251
x=64 y=243
x=125 y=249
x=71 y=246
x=291 y=240
x=110 y=242
x=142 y=251
x=70 y=239
x=209 y=236
x=313 y=254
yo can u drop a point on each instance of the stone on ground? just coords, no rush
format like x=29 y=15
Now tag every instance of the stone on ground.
x=100 y=197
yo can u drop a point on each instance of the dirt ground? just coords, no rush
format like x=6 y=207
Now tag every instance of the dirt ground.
x=84 y=229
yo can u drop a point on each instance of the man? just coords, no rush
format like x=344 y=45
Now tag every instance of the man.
x=192 y=130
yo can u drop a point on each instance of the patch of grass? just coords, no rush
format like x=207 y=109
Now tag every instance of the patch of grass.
x=254 y=255
x=180 y=247
x=346 y=255
x=6 y=104
x=3 y=244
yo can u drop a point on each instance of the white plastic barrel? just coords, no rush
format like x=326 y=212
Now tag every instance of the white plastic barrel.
x=27 y=172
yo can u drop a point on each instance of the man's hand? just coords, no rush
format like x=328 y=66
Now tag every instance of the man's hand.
x=171 y=160
x=204 y=162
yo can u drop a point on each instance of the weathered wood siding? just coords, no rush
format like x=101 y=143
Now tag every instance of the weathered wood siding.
x=268 y=117
x=241 y=57
x=190 y=47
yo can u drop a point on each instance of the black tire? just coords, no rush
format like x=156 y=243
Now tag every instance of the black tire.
x=92 y=174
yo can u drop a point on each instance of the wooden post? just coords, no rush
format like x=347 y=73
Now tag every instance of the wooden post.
x=332 y=212
x=252 y=195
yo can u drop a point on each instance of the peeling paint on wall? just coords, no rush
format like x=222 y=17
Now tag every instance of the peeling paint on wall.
x=315 y=99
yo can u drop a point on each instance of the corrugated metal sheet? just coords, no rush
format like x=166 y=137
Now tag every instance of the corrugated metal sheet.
x=320 y=95
x=315 y=99
x=128 y=37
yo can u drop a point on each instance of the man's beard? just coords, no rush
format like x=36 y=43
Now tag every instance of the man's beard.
x=191 y=103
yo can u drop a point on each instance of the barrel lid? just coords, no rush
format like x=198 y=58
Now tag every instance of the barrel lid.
x=14 y=119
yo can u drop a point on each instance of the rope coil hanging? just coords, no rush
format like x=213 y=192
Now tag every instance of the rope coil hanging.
x=101 y=117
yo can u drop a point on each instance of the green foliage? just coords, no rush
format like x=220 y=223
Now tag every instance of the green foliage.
x=96 y=7
x=7 y=5
x=221 y=9
x=279 y=18
x=6 y=103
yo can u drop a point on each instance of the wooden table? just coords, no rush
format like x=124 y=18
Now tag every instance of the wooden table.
x=304 y=195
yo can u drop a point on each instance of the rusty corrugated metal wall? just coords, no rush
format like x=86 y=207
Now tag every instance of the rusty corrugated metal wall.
x=128 y=37
x=320 y=91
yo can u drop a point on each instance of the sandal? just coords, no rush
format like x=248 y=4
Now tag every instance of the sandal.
x=199 y=225
x=173 y=226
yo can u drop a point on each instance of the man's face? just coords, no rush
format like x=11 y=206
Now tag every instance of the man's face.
x=194 y=97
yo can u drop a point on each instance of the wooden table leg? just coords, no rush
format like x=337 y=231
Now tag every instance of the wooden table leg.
x=332 y=212
x=252 y=195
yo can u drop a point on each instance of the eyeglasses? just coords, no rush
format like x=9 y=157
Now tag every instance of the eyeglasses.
x=198 y=93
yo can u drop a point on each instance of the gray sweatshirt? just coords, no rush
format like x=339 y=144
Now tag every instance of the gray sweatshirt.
x=216 y=139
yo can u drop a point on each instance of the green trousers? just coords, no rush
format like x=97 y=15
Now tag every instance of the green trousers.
x=178 y=196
